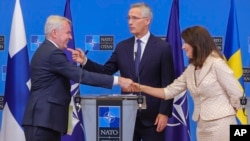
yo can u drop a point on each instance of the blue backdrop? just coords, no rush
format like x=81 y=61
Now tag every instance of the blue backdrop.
x=108 y=18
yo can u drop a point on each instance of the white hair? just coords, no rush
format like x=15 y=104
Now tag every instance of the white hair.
x=54 y=22
x=146 y=10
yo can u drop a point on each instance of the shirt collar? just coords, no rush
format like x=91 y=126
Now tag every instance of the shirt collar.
x=144 y=38
x=53 y=43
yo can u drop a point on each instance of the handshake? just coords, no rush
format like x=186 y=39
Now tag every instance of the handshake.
x=128 y=85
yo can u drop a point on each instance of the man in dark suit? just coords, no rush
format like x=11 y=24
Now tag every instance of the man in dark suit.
x=46 y=114
x=155 y=69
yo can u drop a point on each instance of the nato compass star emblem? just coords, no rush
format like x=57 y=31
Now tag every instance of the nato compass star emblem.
x=180 y=112
x=179 y=122
x=109 y=117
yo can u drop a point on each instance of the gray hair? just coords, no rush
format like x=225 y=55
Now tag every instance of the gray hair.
x=146 y=10
x=54 y=22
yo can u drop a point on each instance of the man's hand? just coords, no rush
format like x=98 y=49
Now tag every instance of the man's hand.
x=161 y=122
x=134 y=87
x=125 y=83
x=78 y=55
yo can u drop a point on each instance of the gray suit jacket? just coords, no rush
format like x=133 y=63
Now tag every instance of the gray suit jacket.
x=50 y=95
x=215 y=91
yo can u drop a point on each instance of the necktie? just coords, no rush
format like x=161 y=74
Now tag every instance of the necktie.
x=137 y=57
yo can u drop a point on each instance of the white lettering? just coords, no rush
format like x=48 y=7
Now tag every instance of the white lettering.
x=109 y=132
x=240 y=132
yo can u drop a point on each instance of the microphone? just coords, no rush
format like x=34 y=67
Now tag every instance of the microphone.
x=140 y=97
x=77 y=98
x=243 y=102
x=140 y=101
x=86 y=52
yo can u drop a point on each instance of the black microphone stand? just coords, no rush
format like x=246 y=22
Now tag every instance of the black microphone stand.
x=140 y=97
x=77 y=97
x=243 y=102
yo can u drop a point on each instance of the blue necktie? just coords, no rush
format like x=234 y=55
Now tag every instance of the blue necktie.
x=137 y=57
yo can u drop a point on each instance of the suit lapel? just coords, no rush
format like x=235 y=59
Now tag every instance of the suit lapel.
x=129 y=47
x=205 y=69
x=146 y=53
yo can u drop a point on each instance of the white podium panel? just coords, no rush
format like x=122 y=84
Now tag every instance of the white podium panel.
x=109 y=117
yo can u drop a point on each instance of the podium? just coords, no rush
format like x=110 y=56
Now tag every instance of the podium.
x=109 y=117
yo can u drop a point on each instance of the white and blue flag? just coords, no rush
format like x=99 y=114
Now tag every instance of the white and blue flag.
x=17 y=80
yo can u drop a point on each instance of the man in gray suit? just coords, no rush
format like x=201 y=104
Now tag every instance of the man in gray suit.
x=46 y=114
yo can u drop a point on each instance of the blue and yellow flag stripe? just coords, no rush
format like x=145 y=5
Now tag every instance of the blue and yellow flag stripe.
x=235 y=64
x=233 y=54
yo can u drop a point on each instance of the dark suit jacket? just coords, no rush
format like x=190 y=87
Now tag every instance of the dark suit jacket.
x=50 y=95
x=156 y=69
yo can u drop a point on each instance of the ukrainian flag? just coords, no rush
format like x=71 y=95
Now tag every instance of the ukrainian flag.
x=233 y=54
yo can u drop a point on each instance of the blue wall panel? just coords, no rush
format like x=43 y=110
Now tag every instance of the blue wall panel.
x=108 y=17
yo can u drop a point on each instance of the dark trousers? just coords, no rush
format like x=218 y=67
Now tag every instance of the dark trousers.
x=36 y=133
x=147 y=133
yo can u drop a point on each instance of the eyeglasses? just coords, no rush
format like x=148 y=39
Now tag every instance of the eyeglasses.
x=133 y=18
